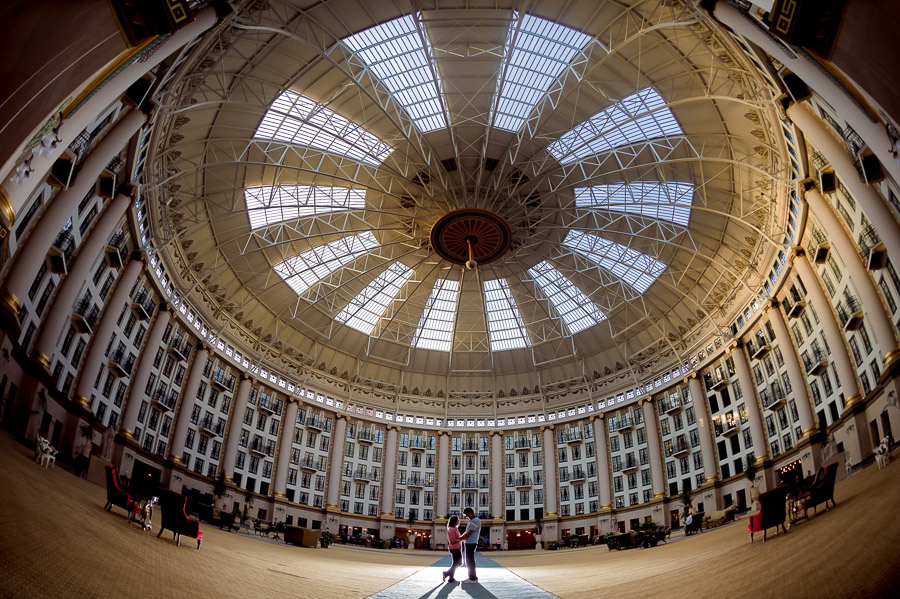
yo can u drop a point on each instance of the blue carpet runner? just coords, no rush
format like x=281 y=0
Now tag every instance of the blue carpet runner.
x=494 y=581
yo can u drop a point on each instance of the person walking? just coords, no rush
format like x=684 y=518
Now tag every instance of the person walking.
x=473 y=532
x=455 y=547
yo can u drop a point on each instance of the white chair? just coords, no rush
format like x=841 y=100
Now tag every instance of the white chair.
x=47 y=458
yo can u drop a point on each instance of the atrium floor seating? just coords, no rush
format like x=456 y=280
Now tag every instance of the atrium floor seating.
x=696 y=524
x=822 y=490
x=114 y=494
x=305 y=537
x=772 y=511
x=720 y=517
x=175 y=518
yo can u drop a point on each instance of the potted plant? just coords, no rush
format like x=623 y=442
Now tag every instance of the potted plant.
x=248 y=499
x=411 y=536
x=539 y=533
x=552 y=546
x=326 y=539
x=750 y=473
x=219 y=489
x=687 y=499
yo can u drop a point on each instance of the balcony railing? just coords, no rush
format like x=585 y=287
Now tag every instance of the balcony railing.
x=522 y=444
x=470 y=445
x=726 y=426
x=210 y=427
x=180 y=347
x=680 y=448
x=222 y=380
x=577 y=474
x=850 y=313
x=268 y=403
x=116 y=250
x=366 y=434
x=165 y=399
x=793 y=307
x=318 y=422
x=61 y=252
x=121 y=362
x=143 y=305
x=630 y=464
x=815 y=363
x=85 y=315
x=308 y=464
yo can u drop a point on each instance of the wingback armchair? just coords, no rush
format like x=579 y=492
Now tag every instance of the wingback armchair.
x=175 y=518
x=772 y=511
x=822 y=490
x=114 y=494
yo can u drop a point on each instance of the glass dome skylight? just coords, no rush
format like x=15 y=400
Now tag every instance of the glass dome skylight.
x=303 y=271
x=633 y=267
x=638 y=117
x=270 y=204
x=660 y=200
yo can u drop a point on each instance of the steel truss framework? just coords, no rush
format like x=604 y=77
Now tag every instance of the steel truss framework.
x=204 y=155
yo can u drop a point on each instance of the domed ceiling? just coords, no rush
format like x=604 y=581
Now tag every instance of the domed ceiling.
x=613 y=173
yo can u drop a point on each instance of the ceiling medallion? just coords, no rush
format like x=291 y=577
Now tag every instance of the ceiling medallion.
x=471 y=236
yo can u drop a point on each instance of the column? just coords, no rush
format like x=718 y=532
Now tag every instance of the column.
x=28 y=259
x=390 y=471
x=285 y=447
x=234 y=428
x=839 y=352
x=188 y=398
x=551 y=483
x=497 y=463
x=101 y=97
x=701 y=411
x=751 y=402
x=601 y=453
x=94 y=358
x=817 y=78
x=845 y=248
x=651 y=430
x=871 y=202
x=79 y=270
x=442 y=499
x=791 y=361
x=145 y=364
x=338 y=439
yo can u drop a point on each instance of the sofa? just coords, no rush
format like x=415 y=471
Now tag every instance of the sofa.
x=305 y=537
x=720 y=517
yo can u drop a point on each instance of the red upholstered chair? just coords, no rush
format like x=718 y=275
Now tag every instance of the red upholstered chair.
x=115 y=495
x=175 y=518
x=772 y=511
x=822 y=490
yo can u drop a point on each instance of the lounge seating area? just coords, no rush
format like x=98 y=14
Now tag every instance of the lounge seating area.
x=696 y=524
x=720 y=517
x=822 y=489
x=304 y=537
x=175 y=518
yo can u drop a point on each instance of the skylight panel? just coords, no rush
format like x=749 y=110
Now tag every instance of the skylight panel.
x=505 y=326
x=305 y=270
x=633 y=267
x=435 y=330
x=296 y=119
x=638 y=117
x=537 y=55
x=367 y=308
x=572 y=305
x=269 y=204
x=656 y=199
x=395 y=53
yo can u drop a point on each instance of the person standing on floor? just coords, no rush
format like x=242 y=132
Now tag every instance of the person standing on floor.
x=473 y=532
x=455 y=547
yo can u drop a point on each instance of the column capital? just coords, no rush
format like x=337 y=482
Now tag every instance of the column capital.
x=645 y=399
x=796 y=252
x=139 y=256
x=690 y=375
x=771 y=304
x=733 y=345
x=127 y=189
x=202 y=346
x=6 y=207
x=547 y=427
x=598 y=416
x=247 y=377
x=496 y=432
x=341 y=416
x=167 y=307
x=392 y=427
x=441 y=433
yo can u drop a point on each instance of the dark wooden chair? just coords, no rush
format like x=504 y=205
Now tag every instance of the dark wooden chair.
x=114 y=494
x=822 y=490
x=772 y=511
x=175 y=518
x=696 y=524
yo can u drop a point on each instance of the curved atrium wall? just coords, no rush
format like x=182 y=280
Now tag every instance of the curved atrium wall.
x=695 y=275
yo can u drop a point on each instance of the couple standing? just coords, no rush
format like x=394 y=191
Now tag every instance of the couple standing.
x=468 y=538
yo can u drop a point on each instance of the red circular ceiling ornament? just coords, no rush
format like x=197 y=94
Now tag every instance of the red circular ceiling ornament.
x=488 y=233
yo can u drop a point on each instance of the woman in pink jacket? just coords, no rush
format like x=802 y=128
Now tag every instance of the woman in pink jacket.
x=455 y=546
